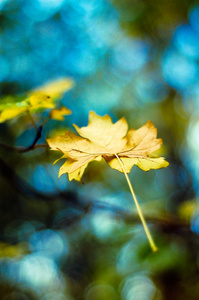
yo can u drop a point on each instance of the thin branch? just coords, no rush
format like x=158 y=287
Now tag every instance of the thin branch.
x=29 y=148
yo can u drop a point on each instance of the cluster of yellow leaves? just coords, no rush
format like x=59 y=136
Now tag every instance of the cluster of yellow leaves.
x=40 y=99
x=103 y=139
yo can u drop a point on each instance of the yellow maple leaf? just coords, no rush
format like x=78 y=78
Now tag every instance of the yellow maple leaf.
x=103 y=139
x=59 y=113
x=55 y=88
x=121 y=149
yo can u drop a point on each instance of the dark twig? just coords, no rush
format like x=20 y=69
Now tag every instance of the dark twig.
x=29 y=148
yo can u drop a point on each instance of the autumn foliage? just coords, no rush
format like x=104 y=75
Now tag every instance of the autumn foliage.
x=103 y=139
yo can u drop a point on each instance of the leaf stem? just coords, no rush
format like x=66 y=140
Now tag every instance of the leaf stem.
x=146 y=229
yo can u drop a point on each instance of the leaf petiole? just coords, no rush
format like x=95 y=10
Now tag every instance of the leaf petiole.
x=146 y=229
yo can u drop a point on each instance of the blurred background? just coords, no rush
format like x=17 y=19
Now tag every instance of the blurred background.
x=62 y=240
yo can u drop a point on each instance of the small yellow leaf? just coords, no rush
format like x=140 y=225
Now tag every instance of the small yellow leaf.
x=11 y=112
x=59 y=113
x=55 y=88
x=40 y=101
x=103 y=139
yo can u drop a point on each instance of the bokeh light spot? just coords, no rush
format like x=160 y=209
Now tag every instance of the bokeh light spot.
x=179 y=71
x=37 y=271
x=48 y=243
x=103 y=224
x=138 y=287
x=129 y=56
x=186 y=40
